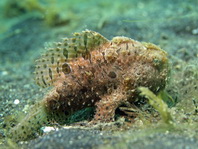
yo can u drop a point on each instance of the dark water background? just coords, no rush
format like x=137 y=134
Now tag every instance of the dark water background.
x=27 y=26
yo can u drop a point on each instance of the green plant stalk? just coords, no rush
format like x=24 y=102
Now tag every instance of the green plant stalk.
x=158 y=104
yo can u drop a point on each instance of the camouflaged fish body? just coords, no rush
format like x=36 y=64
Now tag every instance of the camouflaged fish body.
x=89 y=70
x=50 y=65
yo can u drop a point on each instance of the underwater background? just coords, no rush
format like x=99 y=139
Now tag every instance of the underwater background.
x=28 y=26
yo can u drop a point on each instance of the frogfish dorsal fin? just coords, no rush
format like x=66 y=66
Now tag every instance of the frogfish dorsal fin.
x=53 y=62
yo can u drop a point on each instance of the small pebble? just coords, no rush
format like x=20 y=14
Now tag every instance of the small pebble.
x=4 y=73
x=195 y=31
x=48 y=129
x=16 y=101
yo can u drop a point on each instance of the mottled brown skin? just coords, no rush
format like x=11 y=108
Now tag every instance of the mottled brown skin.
x=89 y=70
x=108 y=77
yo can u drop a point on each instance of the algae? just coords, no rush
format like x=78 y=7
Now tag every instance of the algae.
x=158 y=104
x=177 y=36
x=46 y=10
